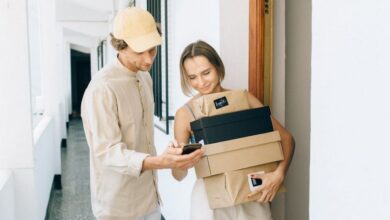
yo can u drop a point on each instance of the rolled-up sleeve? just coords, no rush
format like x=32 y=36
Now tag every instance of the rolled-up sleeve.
x=104 y=136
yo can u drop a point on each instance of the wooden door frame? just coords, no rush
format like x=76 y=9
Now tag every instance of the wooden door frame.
x=260 y=50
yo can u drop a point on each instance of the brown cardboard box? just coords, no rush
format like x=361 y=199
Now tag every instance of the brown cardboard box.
x=232 y=188
x=220 y=103
x=226 y=165
x=240 y=153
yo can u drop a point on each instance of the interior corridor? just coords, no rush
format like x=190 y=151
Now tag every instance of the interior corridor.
x=73 y=201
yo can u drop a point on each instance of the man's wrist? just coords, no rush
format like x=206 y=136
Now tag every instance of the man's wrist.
x=151 y=163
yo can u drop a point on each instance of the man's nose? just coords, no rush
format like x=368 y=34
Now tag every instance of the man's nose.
x=148 y=58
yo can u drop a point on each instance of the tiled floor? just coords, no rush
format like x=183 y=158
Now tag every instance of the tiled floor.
x=73 y=201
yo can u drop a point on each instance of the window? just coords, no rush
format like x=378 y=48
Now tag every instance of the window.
x=159 y=70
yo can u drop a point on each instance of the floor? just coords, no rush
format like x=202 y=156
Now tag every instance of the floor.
x=73 y=201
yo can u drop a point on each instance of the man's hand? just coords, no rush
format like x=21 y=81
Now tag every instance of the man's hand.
x=172 y=158
x=271 y=183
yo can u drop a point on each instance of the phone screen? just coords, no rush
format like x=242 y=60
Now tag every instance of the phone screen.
x=189 y=148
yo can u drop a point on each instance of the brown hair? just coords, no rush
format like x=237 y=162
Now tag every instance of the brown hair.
x=119 y=44
x=199 y=48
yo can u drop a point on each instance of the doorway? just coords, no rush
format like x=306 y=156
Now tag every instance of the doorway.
x=81 y=76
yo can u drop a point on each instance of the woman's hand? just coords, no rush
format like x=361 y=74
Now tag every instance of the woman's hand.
x=271 y=183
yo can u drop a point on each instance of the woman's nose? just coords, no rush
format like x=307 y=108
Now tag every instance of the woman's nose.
x=200 y=81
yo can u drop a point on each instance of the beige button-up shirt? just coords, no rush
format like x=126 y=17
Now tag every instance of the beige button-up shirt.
x=117 y=113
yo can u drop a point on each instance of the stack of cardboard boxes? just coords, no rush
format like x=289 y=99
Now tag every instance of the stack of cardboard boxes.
x=238 y=141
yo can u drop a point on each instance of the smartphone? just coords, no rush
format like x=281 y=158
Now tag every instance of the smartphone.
x=253 y=182
x=189 y=148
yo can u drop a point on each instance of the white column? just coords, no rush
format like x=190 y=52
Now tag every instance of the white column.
x=16 y=139
x=67 y=76
x=51 y=75
x=15 y=112
x=7 y=203
x=94 y=60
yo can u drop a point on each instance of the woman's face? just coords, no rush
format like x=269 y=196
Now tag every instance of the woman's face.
x=202 y=75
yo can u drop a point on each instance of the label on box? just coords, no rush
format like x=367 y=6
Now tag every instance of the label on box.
x=221 y=102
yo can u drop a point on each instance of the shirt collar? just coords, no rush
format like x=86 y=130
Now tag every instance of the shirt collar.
x=122 y=68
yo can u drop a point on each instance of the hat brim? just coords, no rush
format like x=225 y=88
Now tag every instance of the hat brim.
x=145 y=42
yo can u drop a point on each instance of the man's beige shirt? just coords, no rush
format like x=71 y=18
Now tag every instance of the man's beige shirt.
x=117 y=113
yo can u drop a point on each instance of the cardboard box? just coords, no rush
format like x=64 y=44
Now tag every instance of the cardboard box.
x=213 y=129
x=232 y=188
x=220 y=103
x=239 y=153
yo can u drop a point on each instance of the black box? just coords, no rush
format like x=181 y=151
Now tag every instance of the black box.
x=232 y=125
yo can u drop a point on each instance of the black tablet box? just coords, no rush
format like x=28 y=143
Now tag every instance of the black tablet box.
x=232 y=125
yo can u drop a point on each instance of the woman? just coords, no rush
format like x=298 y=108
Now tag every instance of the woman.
x=202 y=70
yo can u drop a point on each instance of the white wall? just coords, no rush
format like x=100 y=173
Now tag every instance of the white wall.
x=15 y=90
x=279 y=61
x=16 y=146
x=32 y=160
x=350 y=110
x=279 y=86
x=34 y=38
x=46 y=157
x=25 y=194
x=189 y=21
x=66 y=71
x=298 y=73
x=51 y=81
x=234 y=42
x=184 y=27
x=7 y=195
x=94 y=60
x=63 y=71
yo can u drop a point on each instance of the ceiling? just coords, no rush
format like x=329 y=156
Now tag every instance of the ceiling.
x=87 y=18
x=97 y=5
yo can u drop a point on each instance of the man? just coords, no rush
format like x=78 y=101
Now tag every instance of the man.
x=117 y=112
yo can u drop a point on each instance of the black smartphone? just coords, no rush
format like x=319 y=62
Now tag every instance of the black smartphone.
x=256 y=182
x=189 y=148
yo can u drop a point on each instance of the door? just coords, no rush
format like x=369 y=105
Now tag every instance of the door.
x=260 y=49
